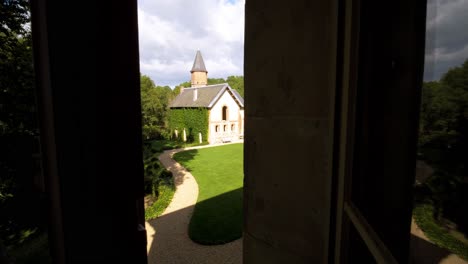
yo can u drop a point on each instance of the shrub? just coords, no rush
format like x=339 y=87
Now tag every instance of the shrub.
x=424 y=216
x=165 y=192
x=165 y=174
x=170 y=147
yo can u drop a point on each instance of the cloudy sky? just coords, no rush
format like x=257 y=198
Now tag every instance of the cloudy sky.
x=446 y=36
x=171 y=31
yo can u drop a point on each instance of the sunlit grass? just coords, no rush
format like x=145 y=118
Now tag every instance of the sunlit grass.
x=217 y=216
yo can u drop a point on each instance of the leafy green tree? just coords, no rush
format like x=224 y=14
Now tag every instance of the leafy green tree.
x=185 y=84
x=17 y=96
x=176 y=90
x=20 y=202
x=236 y=83
x=443 y=142
x=444 y=121
x=215 y=81
x=154 y=107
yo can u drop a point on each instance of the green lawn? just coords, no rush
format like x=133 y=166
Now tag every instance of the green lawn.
x=158 y=146
x=33 y=251
x=217 y=218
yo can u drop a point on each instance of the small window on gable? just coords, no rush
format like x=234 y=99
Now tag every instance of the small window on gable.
x=225 y=113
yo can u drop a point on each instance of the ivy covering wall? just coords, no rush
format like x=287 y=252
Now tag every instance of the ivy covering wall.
x=194 y=120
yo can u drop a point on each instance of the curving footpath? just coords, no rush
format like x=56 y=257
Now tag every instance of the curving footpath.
x=167 y=235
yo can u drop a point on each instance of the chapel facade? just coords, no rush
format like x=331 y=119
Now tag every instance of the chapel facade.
x=225 y=107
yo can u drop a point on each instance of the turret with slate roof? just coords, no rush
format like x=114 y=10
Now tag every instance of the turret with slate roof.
x=225 y=107
x=199 y=72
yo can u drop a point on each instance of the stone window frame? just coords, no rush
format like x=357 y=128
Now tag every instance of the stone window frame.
x=224 y=113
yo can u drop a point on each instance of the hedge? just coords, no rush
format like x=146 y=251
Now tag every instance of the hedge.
x=194 y=120
x=423 y=216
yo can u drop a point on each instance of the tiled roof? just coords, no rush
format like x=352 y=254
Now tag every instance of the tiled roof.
x=238 y=96
x=206 y=96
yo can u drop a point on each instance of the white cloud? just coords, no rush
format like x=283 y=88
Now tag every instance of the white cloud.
x=171 y=31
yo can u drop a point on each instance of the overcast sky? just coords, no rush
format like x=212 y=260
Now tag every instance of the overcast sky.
x=446 y=36
x=171 y=31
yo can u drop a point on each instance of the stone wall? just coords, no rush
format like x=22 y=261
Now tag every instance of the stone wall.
x=289 y=92
x=199 y=79
x=232 y=124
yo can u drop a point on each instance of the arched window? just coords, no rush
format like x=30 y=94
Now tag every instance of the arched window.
x=233 y=127
x=225 y=113
x=225 y=128
x=216 y=128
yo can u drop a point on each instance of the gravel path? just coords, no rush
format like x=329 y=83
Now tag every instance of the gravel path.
x=168 y=240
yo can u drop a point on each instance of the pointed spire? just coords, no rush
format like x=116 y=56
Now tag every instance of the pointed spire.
x=198 y=64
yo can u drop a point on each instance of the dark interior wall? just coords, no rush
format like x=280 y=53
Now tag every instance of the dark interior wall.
x=86 y=58
x=391 y=60
x=290 y=77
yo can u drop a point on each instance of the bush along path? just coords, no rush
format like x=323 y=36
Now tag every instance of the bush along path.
x=167 y=235
x=431 y=231
x=158 y=182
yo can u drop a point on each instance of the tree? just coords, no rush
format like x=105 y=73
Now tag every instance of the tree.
x=17 y=96
x=154 y=107
x=18 y=130
x=176 y=90
x=236 y=83
x=215 y=81
x=443 y=142
x=444 y=121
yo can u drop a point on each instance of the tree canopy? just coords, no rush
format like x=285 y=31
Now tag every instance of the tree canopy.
x=444 y=121
x=236 y=83
x=17 y=96
x=443 y=143
x=21 y=203
x=154 y=106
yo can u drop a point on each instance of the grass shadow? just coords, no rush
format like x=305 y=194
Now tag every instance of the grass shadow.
x=186 y=156
x=171 y=244
x=217 y=220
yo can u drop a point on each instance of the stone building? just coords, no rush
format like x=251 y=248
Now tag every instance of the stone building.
x=225 y=106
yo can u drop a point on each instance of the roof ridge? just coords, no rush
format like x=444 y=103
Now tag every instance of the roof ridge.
x=189 y=88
